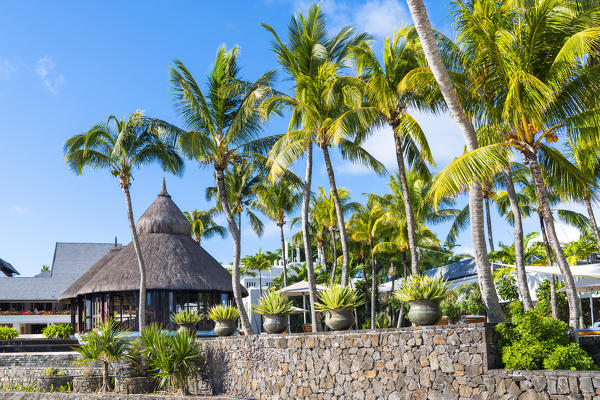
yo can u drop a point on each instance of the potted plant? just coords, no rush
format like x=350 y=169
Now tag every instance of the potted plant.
x=338 y=302
x=225 y=318
x=108 y=343
x=187 y=320
x=137 y=378
x=53 y=379
x=423 y=293
x=274 y=307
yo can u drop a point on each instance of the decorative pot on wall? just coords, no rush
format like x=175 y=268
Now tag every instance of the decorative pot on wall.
x=424 y=312
x=188 y=327
x=225 y=327
x=275 y=323
x=340 y=320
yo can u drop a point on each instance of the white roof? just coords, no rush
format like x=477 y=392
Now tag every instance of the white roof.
x=299 y=289
x=588 y=271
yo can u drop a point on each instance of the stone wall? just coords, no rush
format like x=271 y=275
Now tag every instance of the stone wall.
x=454 y=362
x=99 y=396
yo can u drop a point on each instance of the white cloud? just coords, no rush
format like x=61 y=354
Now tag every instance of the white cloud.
x=51 y=78
x=6 y=69
x=20 y=210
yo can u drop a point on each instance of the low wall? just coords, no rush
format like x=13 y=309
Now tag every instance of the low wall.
x=452 y=362
x=99 y=396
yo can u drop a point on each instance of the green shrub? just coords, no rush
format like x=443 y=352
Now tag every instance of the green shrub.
x=543 y=305
x=8 y=333
x=51 y=372
x=569 y=357
x=507 y=288
x=470 y=299
x=422 y=287
x=382 y=321
x=176 y=357
x=273 y=303
x=60 y=331
x=133 y=359
x=534 y=341
x=339 y=297
x=223 y=313
x=450 y=307
x=187 y=317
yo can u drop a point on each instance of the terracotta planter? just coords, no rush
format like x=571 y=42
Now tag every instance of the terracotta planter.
x=340 y=320
x=53 y=383
x=135 y=384
x=424 y=312
x=225 y=327
x=275 y=323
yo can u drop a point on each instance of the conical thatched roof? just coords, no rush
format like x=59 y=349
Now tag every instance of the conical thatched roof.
x=174 y=261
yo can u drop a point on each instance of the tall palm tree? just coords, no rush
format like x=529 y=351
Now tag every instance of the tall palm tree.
x=258 y=262
x=121 y=146
x=442 y=77
x=323 y=211
x=224 y=127
x=540 y=89
x=366 y=224
x=311 y=60
x=402 y=54
x=277 y=201
x=203 y=224
x=240 y=181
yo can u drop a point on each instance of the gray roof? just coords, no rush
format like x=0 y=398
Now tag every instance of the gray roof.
x=457 y=270
x=8 y=269
x=71 y=260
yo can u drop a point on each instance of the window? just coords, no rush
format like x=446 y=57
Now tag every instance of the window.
x=250 y=284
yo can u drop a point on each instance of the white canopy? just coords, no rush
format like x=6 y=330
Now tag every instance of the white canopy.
x=299 y=289
x=585 y=285
x=588 y=271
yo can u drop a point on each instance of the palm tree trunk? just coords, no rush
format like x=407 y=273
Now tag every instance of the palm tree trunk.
x=590 y=211
x=540 y=189
x=340 y=217
x=235 y=234
x=518 y=239
x=334 y=264
x=553 y=301
x=260 y=282
x=401 y=314
x=105 y=385
x=283 y=255
x=488 y=218
x=408 y=209
x=310 y=272
x=140 y=259
x=434 y=59
x=373 y=287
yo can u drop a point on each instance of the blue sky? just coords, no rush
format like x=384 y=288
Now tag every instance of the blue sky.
x=66 y=65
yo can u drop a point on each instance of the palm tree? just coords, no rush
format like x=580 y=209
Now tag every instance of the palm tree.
x=312 y=59
x=442 y=77
x=203 y=225
x=224 y=126
x=120 y=146
x=534 y=98
x=323 y=211
x=402 y=54
x=240 y=182
x=277 y=201
x=259 y=262
x=366 y=224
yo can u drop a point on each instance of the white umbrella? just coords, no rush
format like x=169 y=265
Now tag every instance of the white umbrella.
x=300 y=289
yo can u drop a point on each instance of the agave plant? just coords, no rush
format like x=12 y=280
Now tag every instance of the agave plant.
x=185 y=317
x=273 y=303
x=422 y=287
x=339 y=297
x=222 y=313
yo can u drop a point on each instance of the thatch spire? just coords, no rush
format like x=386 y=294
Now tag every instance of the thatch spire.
x=163 y=216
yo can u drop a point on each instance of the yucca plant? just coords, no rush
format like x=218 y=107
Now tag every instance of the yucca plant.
x=339 y=297
x=422 y=287
x=222 y=313
x=273 y=303
x=185 y=317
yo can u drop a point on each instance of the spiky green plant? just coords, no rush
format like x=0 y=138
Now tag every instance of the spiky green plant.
x=186 y=317
x=273 y=303
x=223 y=313
x=339 y=297
x=422 y=287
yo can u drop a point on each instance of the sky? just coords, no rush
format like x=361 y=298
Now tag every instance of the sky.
x=67 y=65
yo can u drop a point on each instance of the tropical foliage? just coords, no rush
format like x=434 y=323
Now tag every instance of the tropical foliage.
x=339 y=297
x=223 y=313
x=422 y=287
x=273 y=303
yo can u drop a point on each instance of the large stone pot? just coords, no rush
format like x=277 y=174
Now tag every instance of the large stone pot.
x=87 y=384
x=191 y=328
x=275 y=323
x=424 y=312
x=135 y=384
x=54 y=383
x=340 y=320
x=225 y=327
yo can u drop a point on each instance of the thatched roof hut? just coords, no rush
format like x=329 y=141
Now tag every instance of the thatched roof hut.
x=175 y=265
